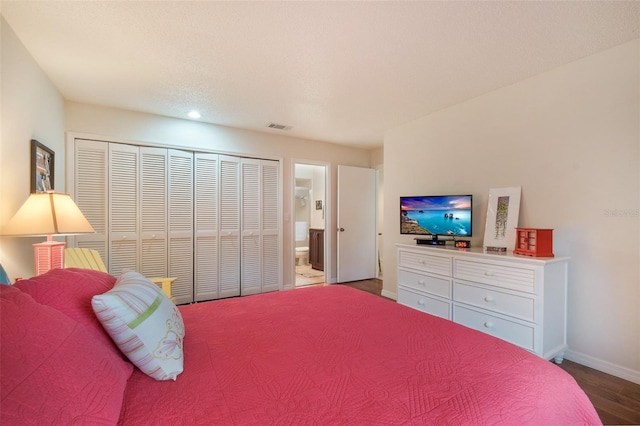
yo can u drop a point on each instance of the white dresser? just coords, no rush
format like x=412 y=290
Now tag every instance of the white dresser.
x=520 y=299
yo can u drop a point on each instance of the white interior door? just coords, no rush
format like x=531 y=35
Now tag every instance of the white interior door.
x=250 y=271
x=356 y=224
x=270 y=226
x=180 y=230
x=206 y=209
x=229 y=214
x=153 y=212
x=124 y=208
x=91 y=193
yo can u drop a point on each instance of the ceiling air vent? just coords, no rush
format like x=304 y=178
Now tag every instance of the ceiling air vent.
x=278 y=126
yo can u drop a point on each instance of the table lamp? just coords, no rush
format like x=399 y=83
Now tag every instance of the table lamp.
x=49 y=214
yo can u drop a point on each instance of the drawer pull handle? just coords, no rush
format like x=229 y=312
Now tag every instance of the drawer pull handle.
x=489 y=273
x=488 y=324
x=421 y=302
x=422 y=282
x=488 y=299
x=422 y=261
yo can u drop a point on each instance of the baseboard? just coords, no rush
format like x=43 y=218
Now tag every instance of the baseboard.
x=604 y=366
x=389 y=295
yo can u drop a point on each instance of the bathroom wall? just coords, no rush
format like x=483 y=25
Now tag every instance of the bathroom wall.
x=302 y=208
x=317 y=195
x=311 y=177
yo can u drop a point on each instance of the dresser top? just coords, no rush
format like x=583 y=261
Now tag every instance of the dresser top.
x=481 y=252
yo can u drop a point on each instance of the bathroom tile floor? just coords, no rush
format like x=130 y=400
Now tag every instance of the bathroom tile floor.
x=305 y=275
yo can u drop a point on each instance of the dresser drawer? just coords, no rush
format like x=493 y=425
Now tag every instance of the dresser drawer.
x=509 y=304
x=425 y=262
x=430 y=284
x=511 y=277
x=424 y=303
x=518 y=334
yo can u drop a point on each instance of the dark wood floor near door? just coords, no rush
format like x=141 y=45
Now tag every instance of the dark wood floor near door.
x=616 y=400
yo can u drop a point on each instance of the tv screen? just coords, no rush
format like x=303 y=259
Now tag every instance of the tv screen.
x=436 y=215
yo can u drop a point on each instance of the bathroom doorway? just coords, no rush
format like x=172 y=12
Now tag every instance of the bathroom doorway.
x=310 y=218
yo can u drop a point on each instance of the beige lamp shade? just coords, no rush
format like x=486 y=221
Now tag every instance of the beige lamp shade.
x=47 y=214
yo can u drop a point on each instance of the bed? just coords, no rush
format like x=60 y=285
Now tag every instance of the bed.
x=328 y=355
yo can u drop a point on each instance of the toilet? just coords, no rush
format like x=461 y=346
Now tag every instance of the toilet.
x=302 y=256
x=302 y=252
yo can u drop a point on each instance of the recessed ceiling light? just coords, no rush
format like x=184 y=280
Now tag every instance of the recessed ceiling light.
x=194 y=115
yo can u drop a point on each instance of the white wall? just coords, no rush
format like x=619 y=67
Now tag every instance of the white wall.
x=147 y=128
x=570 y=137
x=32 y=108
x=377 y=157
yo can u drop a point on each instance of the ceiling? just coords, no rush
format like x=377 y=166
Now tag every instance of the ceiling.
x=335 y=71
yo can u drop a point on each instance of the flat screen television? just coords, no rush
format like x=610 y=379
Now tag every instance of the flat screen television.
x=436 y=215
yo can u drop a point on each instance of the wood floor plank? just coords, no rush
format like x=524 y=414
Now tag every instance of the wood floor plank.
x=616 y=400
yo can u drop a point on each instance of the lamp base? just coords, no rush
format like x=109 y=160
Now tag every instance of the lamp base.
x=48 y=255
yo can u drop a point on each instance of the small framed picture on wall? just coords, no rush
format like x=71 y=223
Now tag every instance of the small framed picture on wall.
x=42 y=167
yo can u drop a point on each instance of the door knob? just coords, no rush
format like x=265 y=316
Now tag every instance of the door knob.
x=341 y=229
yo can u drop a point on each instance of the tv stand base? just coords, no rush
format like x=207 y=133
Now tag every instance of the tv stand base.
x=421 y=241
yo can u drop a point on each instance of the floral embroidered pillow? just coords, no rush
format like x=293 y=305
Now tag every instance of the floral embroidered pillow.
x=144 y=324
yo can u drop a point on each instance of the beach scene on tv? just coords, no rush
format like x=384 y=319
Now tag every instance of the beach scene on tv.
x=436 y=215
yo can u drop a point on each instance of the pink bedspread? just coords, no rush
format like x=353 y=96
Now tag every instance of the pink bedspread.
x=338 y=356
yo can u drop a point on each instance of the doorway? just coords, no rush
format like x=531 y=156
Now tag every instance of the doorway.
x=310 y=219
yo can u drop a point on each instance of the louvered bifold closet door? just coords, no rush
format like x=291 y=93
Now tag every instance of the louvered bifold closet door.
x=206 y=189
x=270 y=226
x=251 y=271
x=124 y=192
x=153 y=212
x=229 y=230
x=91 y=194
x=180 y=218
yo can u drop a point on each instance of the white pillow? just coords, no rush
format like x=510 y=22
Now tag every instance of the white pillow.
x=144 y=324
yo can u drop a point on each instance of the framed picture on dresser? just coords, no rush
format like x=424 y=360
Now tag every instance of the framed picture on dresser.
x=503 y=212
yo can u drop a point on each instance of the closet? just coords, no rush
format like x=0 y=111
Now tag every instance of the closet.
x=211 y=220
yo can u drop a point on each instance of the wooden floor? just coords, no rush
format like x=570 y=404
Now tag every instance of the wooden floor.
x=616 y=400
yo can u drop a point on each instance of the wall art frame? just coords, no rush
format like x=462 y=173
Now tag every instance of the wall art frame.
x=503 y=212
x=42 y=167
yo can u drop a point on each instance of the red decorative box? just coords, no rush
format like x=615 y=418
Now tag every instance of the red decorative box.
x=534 y=242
